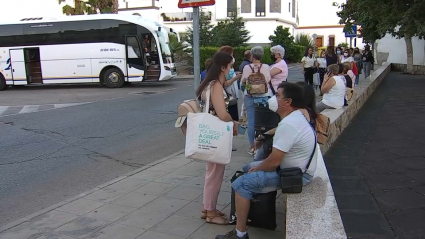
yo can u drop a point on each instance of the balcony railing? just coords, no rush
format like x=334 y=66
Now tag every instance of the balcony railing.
x=180 y=16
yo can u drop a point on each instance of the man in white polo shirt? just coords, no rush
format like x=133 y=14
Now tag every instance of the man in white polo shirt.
x=293 y=145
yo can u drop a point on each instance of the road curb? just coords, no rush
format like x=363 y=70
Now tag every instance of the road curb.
x=81 y=195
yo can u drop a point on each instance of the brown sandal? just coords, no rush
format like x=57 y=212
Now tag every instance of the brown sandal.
x=204 y=214
x=219 y=220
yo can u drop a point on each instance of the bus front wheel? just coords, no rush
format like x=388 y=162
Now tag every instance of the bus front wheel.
x=113 y=78
x=3 y=85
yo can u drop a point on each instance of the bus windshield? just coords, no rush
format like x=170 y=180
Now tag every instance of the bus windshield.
x=165 y=47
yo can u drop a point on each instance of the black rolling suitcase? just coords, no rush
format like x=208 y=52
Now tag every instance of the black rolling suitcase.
x=262 y=212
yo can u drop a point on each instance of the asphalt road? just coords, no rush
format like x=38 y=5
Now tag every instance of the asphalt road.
x=59 y=141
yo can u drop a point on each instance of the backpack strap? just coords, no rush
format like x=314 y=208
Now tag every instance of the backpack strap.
x=259 y=69
x=252 y=68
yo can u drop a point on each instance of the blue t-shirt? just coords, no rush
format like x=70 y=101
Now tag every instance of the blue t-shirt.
x=203 y=75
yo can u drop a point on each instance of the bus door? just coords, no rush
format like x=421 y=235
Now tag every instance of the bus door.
x=134 y=57
x=18 y=68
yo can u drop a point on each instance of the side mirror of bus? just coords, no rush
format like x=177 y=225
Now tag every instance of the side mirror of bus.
x=159 y=29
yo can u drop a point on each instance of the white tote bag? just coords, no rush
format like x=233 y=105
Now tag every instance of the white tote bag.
x=208 y=138
x=316 y=79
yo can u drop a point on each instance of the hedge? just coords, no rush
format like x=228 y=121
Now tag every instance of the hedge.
x=293 y=54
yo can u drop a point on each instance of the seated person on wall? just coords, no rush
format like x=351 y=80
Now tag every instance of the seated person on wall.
x=293 y=144
x=333 y=89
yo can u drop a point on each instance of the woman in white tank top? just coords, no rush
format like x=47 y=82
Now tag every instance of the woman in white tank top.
x=333 y=90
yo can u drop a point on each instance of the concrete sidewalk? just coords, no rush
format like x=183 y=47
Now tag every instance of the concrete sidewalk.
x=162 y=200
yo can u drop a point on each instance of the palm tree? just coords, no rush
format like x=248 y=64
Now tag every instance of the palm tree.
x=82 y=7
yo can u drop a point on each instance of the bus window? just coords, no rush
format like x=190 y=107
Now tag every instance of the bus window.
x=42 y=33
x=165 y=47
x=133 y=49
x=80 y=32
x=11 y=35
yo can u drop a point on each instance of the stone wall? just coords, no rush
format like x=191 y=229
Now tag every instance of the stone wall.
x=420 y=70
x=341 y=118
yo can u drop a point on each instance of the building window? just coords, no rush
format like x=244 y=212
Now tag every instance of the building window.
x=231 y=8
x=245 y=6
x=319 y=41
x=331 y=40
x=260 y=8
x=275 y=6
x=289 y=7
x=293 y=8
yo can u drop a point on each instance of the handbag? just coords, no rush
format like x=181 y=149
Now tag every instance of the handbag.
x=208 y=138
x=316 y=78
x=292 y=178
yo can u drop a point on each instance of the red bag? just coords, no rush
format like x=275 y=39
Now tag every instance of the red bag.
x=354 y=68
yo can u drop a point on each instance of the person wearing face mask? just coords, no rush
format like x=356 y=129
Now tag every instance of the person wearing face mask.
x=215 y=80
x=293 y=144
x=339 y=53
x=231 y=85
x=346 y=57
x=279 y=70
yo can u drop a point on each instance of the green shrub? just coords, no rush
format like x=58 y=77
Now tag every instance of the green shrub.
x=297 y=53
x=293 y=54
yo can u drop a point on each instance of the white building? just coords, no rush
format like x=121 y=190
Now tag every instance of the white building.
x=262 y=16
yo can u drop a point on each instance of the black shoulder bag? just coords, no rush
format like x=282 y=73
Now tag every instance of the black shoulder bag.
x=292 y=178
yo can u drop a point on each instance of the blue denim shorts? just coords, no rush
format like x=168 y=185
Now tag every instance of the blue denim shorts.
x=253 y=183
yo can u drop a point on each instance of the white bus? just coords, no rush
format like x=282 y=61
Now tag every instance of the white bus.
x=110 y=49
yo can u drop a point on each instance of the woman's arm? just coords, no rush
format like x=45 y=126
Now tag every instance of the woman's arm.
x=303 y=61
x=274 y=71
x=328 y=83
x=217 y=100
x=231 y=81
x=265 y=69
x=245 y=73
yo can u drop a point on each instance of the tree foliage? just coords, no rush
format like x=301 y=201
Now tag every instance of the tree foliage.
x=304 y=39
x=293 y=52
x=231 y=32
x=205 y=28
x=400 y=18
x=82 y=7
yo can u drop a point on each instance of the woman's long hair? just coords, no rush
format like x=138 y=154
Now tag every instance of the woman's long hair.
x=309 y=98
x=331 y=51
x=226 y=49
x=220 y=59
x=306 y=51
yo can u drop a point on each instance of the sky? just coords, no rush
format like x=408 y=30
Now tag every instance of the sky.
x=17 y=9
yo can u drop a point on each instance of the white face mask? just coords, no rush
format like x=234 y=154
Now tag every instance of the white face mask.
x=345 y=54
x=273 y=105
x=233 y=61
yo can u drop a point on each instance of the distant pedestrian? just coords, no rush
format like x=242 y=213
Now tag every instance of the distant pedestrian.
x=358 y=60
x=309 y=65
x=331 y=57
x=279 y=70
x=368 y=60
x=207 y=64
x=321 y=62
